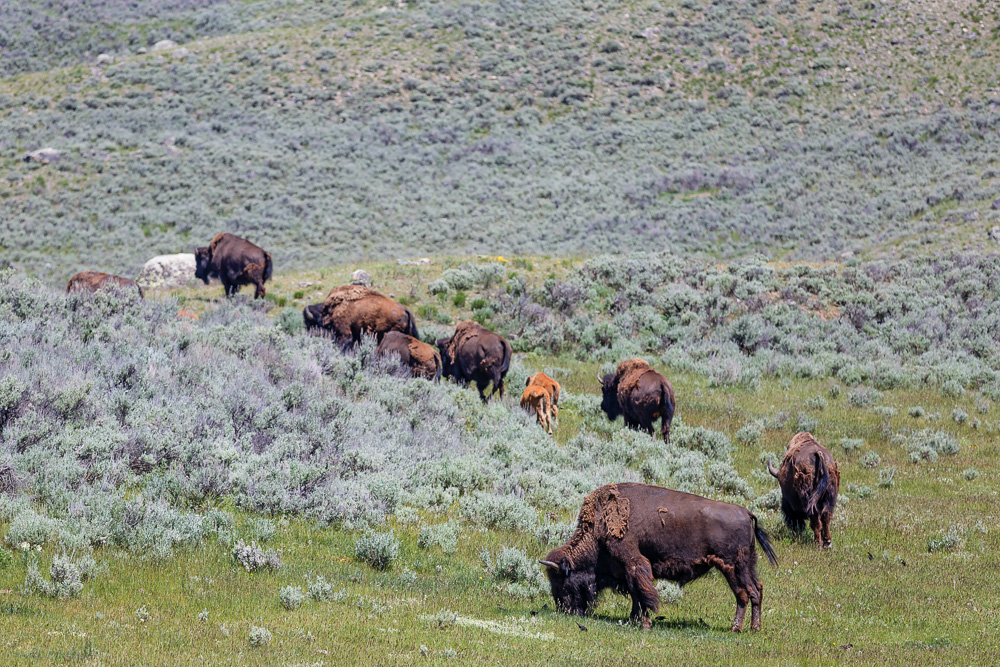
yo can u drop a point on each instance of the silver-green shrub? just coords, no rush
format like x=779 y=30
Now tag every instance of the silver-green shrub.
x=379 y=550
x=291 y=597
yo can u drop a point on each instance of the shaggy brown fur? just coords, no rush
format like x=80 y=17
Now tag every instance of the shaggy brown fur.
x=550 y=386
x=91 y=281
x=476 y=354
x=353 y=311
x=640 y=395
x=236 y=262
x=628 y=535
x=809 y=482
x=536 y=399
x=422 y=359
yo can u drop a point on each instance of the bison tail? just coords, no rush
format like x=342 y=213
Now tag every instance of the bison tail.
x=764 y=541
x=822 y=482
x=440 y=367
x=411 y=325
x=667 y=410
x=268 y=266
x=507 y=354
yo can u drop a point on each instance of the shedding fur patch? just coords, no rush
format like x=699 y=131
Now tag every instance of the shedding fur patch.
x=339 y=295
x=604 y=513
x=464 y=330
x=798 y=441
x=660 y=511
x=215 y=243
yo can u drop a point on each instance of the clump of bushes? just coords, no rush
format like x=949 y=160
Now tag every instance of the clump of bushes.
x=379 y=550
x=927 y=444
x=253 y=558
x=950 y=540
x=291 y=597
x=258 y=636
x=514 y=571
x=444 y=535
x=67 y=575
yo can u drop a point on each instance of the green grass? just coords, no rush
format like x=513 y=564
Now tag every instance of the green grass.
x=938 y=608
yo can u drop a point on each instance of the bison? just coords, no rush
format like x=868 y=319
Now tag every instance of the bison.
x=236 y=262
x=809 y=482
x=628 y=535
x=352 y=311
x=549 y=385
x=476 y=354
x=640 y=395
x=91 y=281
x=422 y=359
x=536 y=399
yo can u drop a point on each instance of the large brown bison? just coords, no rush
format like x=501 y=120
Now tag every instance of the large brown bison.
x=535 y=399
x=476 y=354
x=91 y=281
x=236 y=262
x=628 y=535
x=422 y=359
x=640 y=395
x=353 y=311
x=809 y=482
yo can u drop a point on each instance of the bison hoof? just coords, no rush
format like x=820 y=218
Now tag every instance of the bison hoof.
x=647 y=623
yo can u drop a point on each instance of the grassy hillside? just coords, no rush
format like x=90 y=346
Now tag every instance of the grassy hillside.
x=325 y=132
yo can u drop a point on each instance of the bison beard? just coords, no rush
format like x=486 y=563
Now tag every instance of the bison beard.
x=640 y=395
x=628 y=535
x=809 y=482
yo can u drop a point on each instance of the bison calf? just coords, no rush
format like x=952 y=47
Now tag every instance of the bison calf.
x=628 y=535
x=536 y=399
x=550 y=386
x=236 y=262
x=809 y=482
x=91 y=281
x=422 y=359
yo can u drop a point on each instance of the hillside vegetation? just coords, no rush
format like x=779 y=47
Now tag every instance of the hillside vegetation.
x=327 y=131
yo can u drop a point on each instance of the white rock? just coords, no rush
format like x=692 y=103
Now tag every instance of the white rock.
x=105 y=59
x=167 y=271
x=164 y=44
x=361 y=277
x=995 y=233
x=43 y=155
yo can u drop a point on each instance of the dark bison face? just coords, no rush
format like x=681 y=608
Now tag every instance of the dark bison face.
x=573 y=592
x=202 y=257
x=446 y=360
x=312 y=315
x=609 y=399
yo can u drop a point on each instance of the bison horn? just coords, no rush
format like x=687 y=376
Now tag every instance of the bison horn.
x=600 y=380
x=549 y=563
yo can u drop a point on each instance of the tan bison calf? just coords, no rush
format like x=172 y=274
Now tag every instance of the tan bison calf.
x=91 y=281
x=809 y=482
x=535 y=398
x=422 y=359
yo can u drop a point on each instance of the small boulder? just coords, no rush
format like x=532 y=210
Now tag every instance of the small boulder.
x=361 y=277
x=105 y=59
x=995 y=233
x=43 y=155
x=996 y=204
x=164 y=45
x=167 y=271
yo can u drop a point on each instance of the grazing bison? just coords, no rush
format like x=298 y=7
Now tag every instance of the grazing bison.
x=422 y=359
x=236 y=262
x=476 y=354
x=536 y=399
x=353 y=311
x=550 y=386
x=640 y=395
x=809 y=482
x=628 y=535
x=91 y=281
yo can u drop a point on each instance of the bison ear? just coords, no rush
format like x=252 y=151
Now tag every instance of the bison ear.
x=565 y=566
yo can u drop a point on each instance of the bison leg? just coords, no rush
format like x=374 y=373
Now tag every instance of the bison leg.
x=825 y=518
x=742 y=594
x=756 y=599
x=642 y=588
x=666 y=431
x=814 y=523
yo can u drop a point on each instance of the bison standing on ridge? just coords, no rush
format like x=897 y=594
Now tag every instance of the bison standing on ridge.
x=476 y=354
x=628 y=535
x=809 y=482
x=91 y=281
x=236 y=262
x=422 y=359
x=352 y=311
x=640 y=395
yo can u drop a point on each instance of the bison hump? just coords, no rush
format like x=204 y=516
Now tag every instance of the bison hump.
x=605 y=513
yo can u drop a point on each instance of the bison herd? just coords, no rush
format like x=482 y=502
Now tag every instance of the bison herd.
x=627 y=535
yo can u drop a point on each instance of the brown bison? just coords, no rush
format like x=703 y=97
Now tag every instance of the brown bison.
x=476 y=354
x=353 y=311
x=549 y=385
x=536 y=399
x=628 y=535
x=235 y=262
x=809 y=482
x=422 y=359
x=640 y=395
x=91 y=281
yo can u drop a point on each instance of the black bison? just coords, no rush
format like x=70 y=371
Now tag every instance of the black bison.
x=535 y=399
x=809 y=482
x=640 y=395
x=422 y=359
x=353 y=311
x=91 y=281
x=628 y=535
x=236 y=262
x=476 y=354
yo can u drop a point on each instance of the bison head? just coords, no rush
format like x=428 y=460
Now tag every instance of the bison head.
x=202 y=257
x=444 y=345
x=574 y=591
x=609 y=398
x=313 y=316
